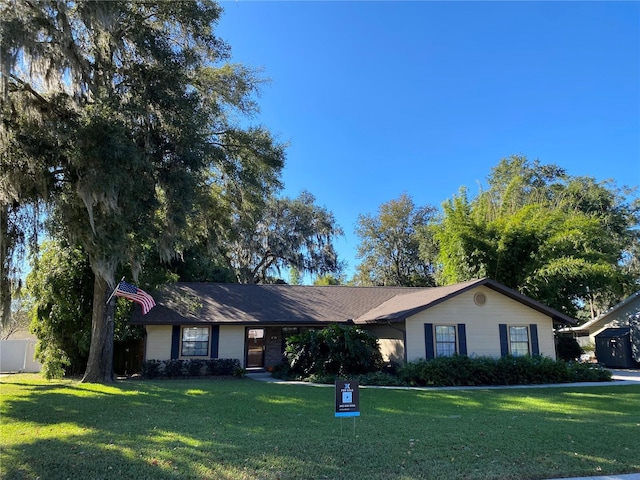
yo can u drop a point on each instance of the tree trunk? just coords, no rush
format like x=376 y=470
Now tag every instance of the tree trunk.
x=5 y=289
x=100 y=364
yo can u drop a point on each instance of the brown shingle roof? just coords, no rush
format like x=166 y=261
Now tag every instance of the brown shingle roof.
x=407 y=304
x=182 y=303
x=189 y=303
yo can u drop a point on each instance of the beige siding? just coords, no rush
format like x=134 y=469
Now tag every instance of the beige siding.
x=391 y=341
x=232 y=342
x=158 y=342
x=483 y=337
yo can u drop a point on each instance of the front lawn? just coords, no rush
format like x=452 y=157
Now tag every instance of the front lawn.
x=245 y=429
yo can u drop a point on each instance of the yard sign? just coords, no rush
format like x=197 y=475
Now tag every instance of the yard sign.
x=347 y=398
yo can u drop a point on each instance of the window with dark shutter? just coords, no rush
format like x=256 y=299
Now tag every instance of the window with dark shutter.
x=428 y=341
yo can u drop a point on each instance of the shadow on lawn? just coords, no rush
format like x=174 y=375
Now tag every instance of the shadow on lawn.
x=250 y=430
x=168 y=429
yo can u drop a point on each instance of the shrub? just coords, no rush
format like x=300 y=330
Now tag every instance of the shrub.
x=222 y=366
x=173 y=368
x=54 y=362
x=239 y=372
x=411 y=373
x=281 y=370
x=379 y=378
x=587 y=372
x=334 y=350
x=194 y=367
x=483 y=371
x=568 y=348
x=459 y=370
x=151 y=368
x=528 y=370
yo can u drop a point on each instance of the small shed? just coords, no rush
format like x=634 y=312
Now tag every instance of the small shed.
x=613 y=348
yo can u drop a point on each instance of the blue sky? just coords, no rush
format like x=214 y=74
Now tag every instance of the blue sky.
x=377 y=99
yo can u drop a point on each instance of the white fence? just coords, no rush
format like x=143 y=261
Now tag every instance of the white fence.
x=17 y=356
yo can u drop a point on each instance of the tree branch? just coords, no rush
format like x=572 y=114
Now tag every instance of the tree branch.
x=27 y=87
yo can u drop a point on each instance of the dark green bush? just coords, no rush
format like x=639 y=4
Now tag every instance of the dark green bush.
x=587 y=372
x=483 y=371
x=411 y=373
x=379 y=378
x=194 y=368
x=335 y=350
x=447 y=371
x=460 y=370
x=527 y=370
x=568 y=348
x=173 y=368
x=282 y=370
x=151 y=368
x=222 y=366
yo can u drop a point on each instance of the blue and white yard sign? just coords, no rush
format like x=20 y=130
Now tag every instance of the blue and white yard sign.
x=347 y=398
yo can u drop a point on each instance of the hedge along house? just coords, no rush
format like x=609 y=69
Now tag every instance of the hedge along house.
x=251 y=322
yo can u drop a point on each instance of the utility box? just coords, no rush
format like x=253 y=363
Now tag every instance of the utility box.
x=613 y=348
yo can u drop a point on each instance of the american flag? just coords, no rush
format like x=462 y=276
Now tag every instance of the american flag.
x=131 y=292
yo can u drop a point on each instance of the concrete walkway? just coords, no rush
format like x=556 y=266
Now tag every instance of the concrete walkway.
x=632 y=375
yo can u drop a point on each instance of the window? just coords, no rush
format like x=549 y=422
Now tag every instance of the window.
x=519 y=341
x=195 y=342
x=445 y=340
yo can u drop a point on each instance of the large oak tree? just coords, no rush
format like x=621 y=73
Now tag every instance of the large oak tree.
x=119 y=116
x=281 y=234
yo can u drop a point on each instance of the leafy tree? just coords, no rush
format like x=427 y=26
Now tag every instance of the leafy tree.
x=61 y=284
x=195 y=264
x=559 y=239
x=125 y=116
x=285 y=233
x=328 y=279
x=294 y=276
x=334 y=350
x=389 y=245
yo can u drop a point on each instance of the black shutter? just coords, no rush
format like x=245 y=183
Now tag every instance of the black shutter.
x=535 y=348
x=462 y=339
x=175 y=342
x=504 y=340
x=428 y=340
x=215 y=339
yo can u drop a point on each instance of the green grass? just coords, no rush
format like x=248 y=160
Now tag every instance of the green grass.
x=244 y=429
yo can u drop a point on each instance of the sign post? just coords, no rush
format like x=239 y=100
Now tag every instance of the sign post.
x=348 y=400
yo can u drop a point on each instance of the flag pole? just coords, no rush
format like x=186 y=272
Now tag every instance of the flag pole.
x=114 y=292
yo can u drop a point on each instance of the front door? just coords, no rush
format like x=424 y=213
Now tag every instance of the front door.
x=255 y=347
